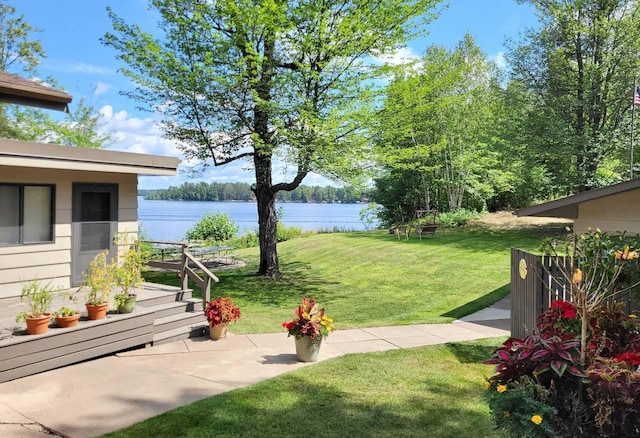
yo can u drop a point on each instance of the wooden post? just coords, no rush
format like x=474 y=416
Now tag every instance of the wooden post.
x=183 y=268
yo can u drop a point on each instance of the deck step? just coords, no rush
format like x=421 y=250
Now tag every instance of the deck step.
x=180 y=333
x=175 y=307
x=179 y=320
x=162 y=295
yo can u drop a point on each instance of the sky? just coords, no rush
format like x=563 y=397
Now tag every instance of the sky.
x=71 y=32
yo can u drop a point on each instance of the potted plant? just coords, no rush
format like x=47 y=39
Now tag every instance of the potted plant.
x=310 y=325
x=38 y=298
x=220 y=312
x=127 y=278
x=66 y=317
x=100 y=281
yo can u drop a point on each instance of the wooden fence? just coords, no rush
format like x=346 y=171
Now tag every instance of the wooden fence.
x=536 y=281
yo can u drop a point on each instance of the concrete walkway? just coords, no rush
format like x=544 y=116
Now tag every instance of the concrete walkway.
x=107 y=394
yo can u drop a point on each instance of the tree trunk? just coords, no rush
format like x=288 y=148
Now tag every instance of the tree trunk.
x=267 y=223
x=267 y=217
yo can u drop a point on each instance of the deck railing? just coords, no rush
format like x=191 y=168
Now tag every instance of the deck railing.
x=185 y=266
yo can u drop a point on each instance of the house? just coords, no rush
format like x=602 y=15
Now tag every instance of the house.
x=614 y=208
x=61 y=205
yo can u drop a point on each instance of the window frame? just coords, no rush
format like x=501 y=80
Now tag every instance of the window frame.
x=21 y=203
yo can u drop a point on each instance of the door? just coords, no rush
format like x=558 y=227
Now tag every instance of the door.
x=94 y=224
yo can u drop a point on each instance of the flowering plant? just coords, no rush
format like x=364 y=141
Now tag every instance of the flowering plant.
x=221 y=310
x=310 y=321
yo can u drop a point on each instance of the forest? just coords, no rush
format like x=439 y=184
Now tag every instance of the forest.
x=242 y=192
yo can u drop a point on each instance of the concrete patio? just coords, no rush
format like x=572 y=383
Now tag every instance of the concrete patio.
x=107 y=394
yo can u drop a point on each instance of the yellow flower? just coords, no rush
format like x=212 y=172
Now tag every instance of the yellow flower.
x=577 y=276
x=537 y=419
x=487 y=385
x=633 y=316
x=506 y=414
x=501 y=388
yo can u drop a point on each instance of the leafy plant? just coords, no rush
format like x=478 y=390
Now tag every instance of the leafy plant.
x=215 y=226
x=520 y=408
x=128 y=272
x=221 y=310
x=38 y=297
x=66 y=311
x=100 y=279
x=310 y=321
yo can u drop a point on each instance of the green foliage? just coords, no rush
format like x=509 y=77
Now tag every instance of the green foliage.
x=284 y=79
x=213 y=226
x=515 y=407
x=249 y=239
x=38 y=297
x=370 y=215
x=457 y=218
x=435 y=137
x=575 y=75
x=285 y=233
x=128 y=272
x=242 y=192
x=100 y=279
x=604 y=404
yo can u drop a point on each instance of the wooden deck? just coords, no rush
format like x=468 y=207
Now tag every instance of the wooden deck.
x=162 y=314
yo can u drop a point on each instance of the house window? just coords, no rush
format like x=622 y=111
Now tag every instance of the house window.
x=26 y=214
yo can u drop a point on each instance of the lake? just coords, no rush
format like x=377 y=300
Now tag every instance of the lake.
x=170 y=220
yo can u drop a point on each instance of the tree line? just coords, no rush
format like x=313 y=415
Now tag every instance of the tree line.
x=242 y=192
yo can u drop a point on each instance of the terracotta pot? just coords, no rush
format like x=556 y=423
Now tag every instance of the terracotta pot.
x=38 y=326
x=67 y=321
x=97 y=312
x=307 y=349
x=219 y=331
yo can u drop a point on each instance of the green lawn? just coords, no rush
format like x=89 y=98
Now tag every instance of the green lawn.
x=372 y=279
x=363 y=279
x=430 y=391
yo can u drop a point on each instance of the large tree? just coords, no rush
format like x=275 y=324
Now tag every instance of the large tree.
x=436 y=129
x=250 y=79
x=576 y=72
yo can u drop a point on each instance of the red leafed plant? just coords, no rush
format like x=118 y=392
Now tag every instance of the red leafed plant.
x=221 y=310
x=310 y=321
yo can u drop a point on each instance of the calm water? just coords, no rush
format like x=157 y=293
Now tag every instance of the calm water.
x=169 y=220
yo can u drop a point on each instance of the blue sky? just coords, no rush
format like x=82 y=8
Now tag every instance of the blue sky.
x=71 y=30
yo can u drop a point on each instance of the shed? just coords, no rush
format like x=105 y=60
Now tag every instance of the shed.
x=614 y=208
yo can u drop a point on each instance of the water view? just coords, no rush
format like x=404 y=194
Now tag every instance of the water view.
x=169 y=220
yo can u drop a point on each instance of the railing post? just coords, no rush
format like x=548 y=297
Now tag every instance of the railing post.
x=183 y=268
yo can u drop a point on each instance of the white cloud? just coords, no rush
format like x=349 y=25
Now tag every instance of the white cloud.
x=500 y=59
x=101 y=88
x=402 y=55
x=83 y=67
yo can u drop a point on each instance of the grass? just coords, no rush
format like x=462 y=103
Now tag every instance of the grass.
x=432 y=391
x=367 y=279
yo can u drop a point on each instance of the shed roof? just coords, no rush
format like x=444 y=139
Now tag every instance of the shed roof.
x=14 y=89
x=568 y=207
x=52 y=156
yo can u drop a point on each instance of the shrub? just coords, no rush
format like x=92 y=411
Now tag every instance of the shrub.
x=457 y=218
x=285 y=233
x=247 y=240
x=213 y=226
x=606 y=403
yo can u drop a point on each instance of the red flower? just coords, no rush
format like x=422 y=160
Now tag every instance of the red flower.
x=630 y=358
x=568 y=310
